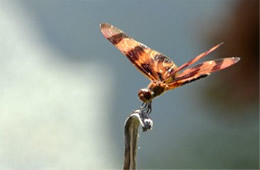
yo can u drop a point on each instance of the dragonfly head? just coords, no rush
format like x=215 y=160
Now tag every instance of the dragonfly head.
x=145 y=95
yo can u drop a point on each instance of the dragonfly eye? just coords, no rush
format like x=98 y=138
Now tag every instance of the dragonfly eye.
x=145 y=95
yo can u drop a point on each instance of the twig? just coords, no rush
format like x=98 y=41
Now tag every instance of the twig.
x=138 y=117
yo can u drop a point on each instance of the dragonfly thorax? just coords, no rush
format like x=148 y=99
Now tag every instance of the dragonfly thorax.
x=154 y=89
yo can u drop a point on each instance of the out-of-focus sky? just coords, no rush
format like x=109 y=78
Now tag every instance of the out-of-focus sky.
x=65 y=91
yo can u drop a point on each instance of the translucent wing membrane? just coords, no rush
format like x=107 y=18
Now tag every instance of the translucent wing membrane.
x=158 y=67
x=172 y=75
x=152 y=64
x=202 y=70
x=197 y=58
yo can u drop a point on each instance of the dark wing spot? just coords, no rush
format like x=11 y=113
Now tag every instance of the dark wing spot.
x=218 y=65
x=115 y=39
x=159 y=75
x=197 y=66
x=197 y=78
x=162 y=58
x=193 y=73
x=135 y=53
x=147 y=68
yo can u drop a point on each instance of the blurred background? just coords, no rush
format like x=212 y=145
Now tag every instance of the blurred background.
x=65 y=91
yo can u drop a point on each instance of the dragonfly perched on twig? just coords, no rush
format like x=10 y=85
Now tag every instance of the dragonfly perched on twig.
x=160 y=69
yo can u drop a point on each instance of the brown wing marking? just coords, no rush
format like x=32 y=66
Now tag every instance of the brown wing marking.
x=170 y=77
x=202 y=70
x=151 y=63
x=163 y=66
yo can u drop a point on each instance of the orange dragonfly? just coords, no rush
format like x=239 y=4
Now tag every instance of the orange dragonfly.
x=160 y=69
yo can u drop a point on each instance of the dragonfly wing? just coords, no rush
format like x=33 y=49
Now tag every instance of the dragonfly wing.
x=151 y=63
x=172 y=76
x=202 y=70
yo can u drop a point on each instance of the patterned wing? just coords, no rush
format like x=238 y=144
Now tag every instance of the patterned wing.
x=171 y=77
x=201 y=70
x=151 y=63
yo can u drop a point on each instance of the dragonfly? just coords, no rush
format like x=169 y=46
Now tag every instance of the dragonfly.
x=158 y=68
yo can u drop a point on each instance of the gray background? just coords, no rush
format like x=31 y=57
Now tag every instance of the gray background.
x=65 y=91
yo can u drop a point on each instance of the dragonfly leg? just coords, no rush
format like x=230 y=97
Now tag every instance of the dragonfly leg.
x=147 y=107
